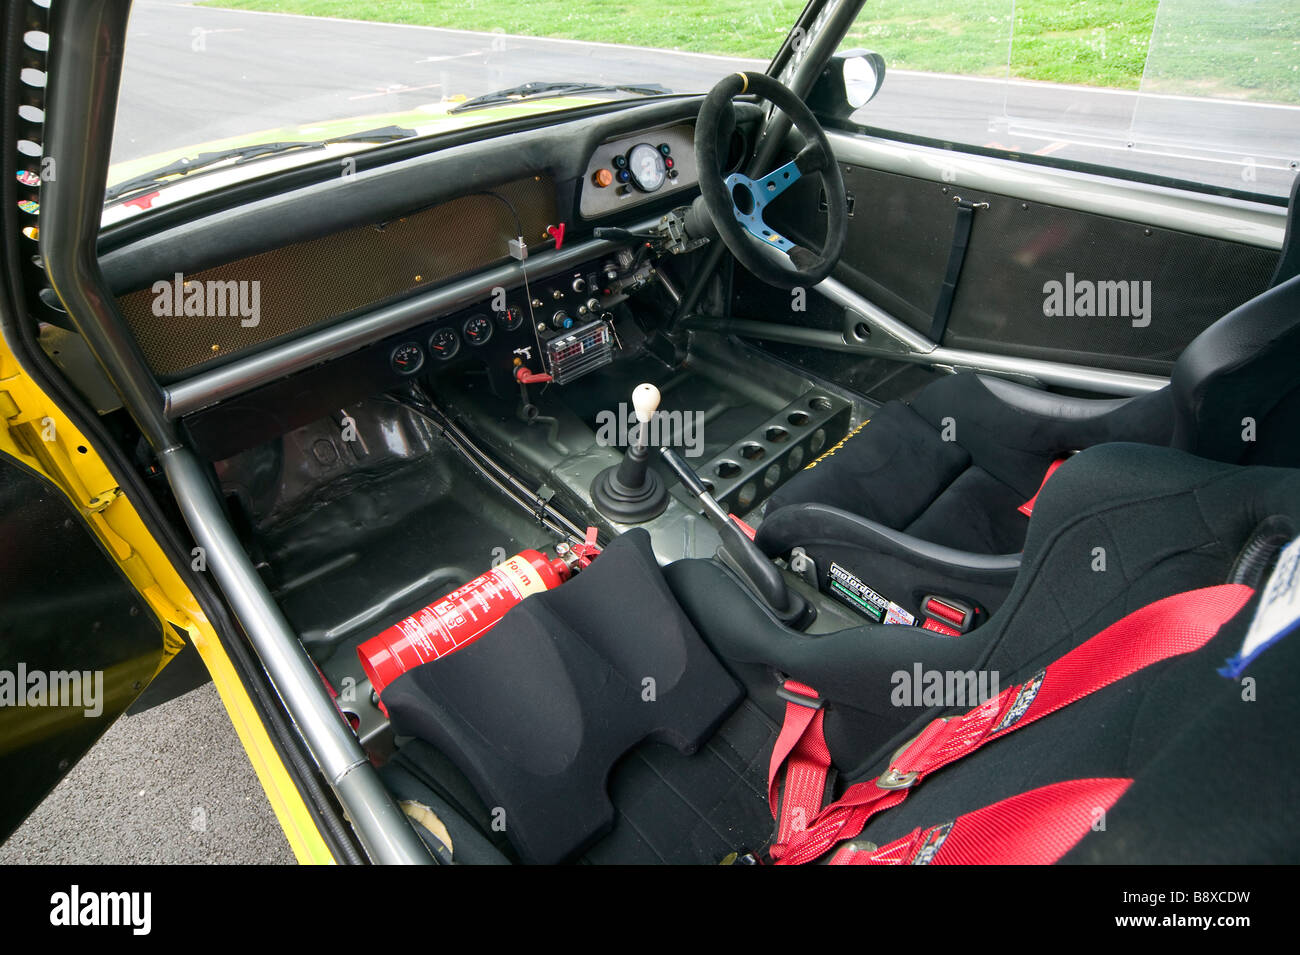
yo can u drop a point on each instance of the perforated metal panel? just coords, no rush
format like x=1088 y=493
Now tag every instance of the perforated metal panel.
x=311 y=282
x=1017 y=248
x=897 y=251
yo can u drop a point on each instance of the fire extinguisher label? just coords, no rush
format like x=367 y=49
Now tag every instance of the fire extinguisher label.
x=526 y=579
x=465 y=614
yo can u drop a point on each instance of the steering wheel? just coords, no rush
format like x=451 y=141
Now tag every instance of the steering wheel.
x=736 y=203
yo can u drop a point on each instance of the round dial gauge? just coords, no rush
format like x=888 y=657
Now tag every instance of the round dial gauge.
x=478 y=330
x=407 y=358
x=511 y=318
x=444 y=343
x=646 y=164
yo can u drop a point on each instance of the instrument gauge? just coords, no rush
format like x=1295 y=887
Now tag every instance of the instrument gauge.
x=646 y=164
x=478 y=330
x=407 y=358
x=511 y=318
x=444 y=343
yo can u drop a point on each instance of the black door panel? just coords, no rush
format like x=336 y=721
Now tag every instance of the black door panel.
x=898 y=250
x=65 y=609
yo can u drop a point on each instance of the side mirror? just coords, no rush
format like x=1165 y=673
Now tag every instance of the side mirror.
x=850 y=81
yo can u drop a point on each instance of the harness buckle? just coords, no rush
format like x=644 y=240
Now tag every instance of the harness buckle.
x=859 y=845
x=891 y=778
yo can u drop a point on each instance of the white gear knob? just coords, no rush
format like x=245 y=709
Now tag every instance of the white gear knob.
x=645 y=400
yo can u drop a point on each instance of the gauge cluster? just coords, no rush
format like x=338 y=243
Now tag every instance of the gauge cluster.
x=530 y=328
x=637 y=169
x=496 y=337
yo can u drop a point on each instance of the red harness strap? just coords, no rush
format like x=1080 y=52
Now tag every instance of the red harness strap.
x=1033 y=828
x=801 y=747
x=1175 y=625
x=1027 y=508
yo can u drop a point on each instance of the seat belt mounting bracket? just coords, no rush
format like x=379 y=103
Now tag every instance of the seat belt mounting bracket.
x=800 y=699
x=956 y=614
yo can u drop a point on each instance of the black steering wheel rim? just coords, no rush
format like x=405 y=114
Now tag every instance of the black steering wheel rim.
x=744 y=231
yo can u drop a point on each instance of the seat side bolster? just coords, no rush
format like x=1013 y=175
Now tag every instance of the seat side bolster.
x=1049 y=405
x=803 y=524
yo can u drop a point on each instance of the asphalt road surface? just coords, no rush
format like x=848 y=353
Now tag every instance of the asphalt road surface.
x=172 y=784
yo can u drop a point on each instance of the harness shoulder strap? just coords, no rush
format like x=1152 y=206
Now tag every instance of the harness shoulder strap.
x=1032 y=828
x=1175 y=625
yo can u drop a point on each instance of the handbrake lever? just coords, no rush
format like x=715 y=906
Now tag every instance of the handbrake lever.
x=741 y=554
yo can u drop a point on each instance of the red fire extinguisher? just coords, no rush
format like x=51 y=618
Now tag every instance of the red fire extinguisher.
x=459 y=618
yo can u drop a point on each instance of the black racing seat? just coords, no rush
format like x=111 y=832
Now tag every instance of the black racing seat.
x=955 y=465
x=1162 y=522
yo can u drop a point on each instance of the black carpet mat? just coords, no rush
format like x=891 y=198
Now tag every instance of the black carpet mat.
x=692 y=809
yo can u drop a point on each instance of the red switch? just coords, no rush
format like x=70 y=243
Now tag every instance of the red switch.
x=556 y=232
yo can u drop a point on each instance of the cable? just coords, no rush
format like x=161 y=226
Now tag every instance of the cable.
x=523 y=265
x=519 y=228
x=418 y=401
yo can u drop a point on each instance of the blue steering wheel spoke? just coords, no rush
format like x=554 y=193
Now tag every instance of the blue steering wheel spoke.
x=749 y=197
x=773 y=238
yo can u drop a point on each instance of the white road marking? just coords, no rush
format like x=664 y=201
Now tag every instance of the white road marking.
x=395 y=88
x=452 y=56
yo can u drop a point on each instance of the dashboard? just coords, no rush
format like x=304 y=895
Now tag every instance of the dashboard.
x=406 y=269
x=563 y=325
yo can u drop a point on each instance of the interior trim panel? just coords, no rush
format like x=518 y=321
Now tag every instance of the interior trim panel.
x=1254 y=223
x=290 y=289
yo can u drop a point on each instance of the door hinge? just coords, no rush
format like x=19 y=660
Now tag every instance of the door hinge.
x=101 y=500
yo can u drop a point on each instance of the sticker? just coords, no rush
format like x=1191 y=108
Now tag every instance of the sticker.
x=32 y=233
x=896 y=614
x=862 y=598
x=934 y=840
x=28 y=178
x=523 y=575
x=1278 y=612
x=27 y=205
x=1024 y=698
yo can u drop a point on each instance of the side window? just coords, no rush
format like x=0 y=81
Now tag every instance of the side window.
x=1197 y=90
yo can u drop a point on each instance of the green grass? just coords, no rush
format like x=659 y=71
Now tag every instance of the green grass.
x=1232 y=48
x=730 y=27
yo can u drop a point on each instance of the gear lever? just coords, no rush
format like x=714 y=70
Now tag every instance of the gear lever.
x=741 y=554
x=630 y=492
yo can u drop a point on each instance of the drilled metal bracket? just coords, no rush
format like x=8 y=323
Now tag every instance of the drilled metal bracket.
x=744 y=475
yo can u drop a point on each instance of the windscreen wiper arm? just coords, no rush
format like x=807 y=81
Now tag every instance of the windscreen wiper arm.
x=525 y=91
x=243 y=154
